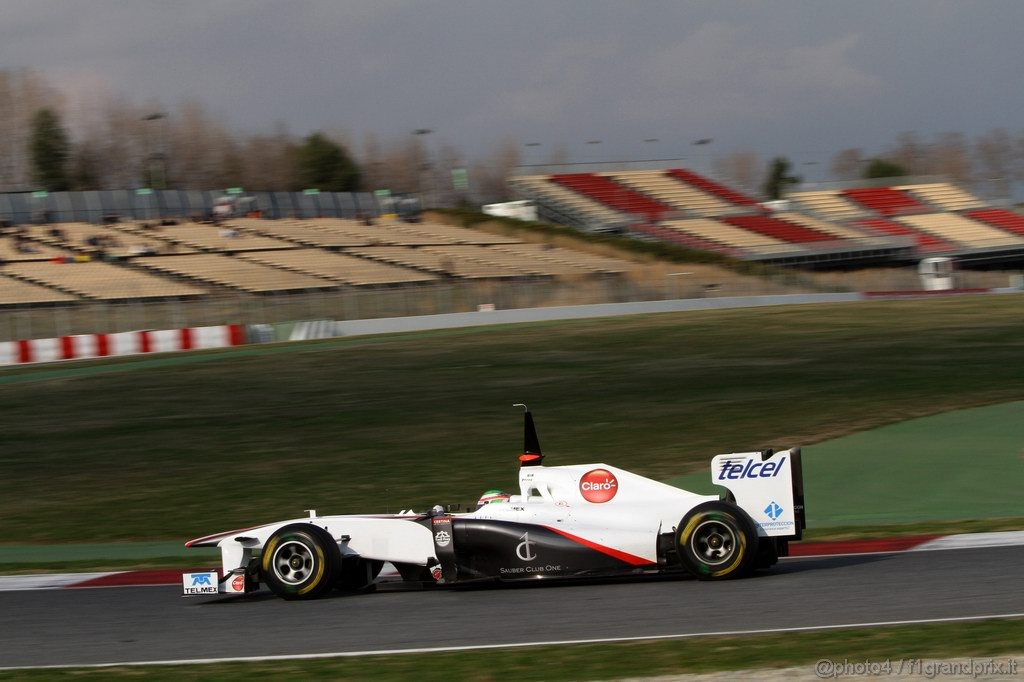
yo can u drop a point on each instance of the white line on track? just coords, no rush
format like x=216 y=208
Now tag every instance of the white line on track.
x=520 y=645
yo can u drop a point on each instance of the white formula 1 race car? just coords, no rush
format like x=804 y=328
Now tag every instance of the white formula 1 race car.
x=575 y=521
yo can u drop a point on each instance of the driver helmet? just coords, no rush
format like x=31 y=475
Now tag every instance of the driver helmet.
x=492 y=497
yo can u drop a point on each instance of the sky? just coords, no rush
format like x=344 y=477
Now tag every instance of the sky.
x=799 y=78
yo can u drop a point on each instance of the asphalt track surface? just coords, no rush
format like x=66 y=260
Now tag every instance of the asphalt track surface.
x=136 y=624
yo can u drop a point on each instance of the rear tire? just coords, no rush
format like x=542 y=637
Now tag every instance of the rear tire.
x=300 y=561
x=717 y=541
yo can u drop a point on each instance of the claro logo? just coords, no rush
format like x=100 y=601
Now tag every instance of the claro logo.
x=598 y=485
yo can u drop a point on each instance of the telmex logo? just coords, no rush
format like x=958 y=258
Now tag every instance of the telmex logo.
x=598 y=485
x=750 y=469
x=200 y=579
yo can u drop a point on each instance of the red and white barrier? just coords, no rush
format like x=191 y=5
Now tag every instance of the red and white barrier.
x=87 y=346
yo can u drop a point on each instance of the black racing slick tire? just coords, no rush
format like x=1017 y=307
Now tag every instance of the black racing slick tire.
x=717 y=541
x=300 y=561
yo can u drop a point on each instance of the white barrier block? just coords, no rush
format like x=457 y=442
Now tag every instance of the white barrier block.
x=8 y=353
x=84 y=346
x=46 y=350
x=164 y=340
x=211 y=337
x=124 y=343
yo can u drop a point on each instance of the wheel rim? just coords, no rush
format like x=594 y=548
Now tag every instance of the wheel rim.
x=293 y=562
x=713 y=542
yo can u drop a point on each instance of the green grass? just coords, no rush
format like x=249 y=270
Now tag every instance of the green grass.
x=178 y=447
x=962 y=464
x=994 y=638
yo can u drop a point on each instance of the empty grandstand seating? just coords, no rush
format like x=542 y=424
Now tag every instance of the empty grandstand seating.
x=235 y=273
x=450 y=264
x=886 y=201
x=677 y=195
x=339 y=267
x=731 y=236
x=17 y=292
x=826 y=203
x=456 y=235
x=924 y=241
x=835 y=230
x=573 y=205
x=206 y=237
x=578 y=260
x=779 y=229
x=943 y=196
x=685 y=239
x=999 y=217
x=102 y=281
x=711 y=187
x=613 y=194
x=961 y=230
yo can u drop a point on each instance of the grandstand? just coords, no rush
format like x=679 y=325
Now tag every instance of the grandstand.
x=835 y=227
x=449 y=263
x=235 y=273
x=15 y=292
x=193 y=237
x=339 y=267
x=96 y=280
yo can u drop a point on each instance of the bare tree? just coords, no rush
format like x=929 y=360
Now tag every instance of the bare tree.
x=951 y=157
x=848 y=164
x=491 y=173
x=742 y=168
x=995 y=152
x=22 y=94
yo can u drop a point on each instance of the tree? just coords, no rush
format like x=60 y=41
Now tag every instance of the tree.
x=324 y=164
x=779 y=179
x=50 y=150
x=739 y=167
x=883 y=168
x=848 y=164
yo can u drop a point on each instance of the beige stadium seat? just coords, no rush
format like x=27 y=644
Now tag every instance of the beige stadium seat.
x=945 y=196
x=961 y=230
x=102 y=281
x=827 y=203
x=447 y=265
x=235 y=273
x=219 y=238
x=729 y=235
x=677 y=194
x=826 y=227
x=502 y=259
x=18 y=292
x=568 y=200
x=579 y=260
x=339 y=267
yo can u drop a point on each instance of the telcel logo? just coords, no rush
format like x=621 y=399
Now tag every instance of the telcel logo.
x=598 y=485
x=750 y=469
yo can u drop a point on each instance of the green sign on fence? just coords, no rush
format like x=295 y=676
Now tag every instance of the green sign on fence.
x=42 y=194
x=311 y=191
x=382 y=193
x=460 y=179
x=143 y=191
x=234 y=190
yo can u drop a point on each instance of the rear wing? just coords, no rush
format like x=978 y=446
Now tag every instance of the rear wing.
x=769 y=486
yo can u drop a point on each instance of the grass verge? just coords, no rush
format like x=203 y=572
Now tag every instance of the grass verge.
x=197 y=444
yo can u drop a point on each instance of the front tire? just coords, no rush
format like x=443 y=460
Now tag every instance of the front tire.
x=717 y=541
x=300 y=561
